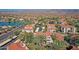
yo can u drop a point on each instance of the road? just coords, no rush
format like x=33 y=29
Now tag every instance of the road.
x=4 y=47
x=5 y=36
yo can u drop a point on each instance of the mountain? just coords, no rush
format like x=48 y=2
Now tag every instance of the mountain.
x=64 y=11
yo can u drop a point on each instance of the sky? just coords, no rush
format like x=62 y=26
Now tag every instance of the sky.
x=39 y=4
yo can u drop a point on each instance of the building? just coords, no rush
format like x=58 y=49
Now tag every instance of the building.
x=21 y=19
x=47 y=35
x=51 y=28
x=59 y=36
x=68 y=29
x=17 y=46
x=38 y=33
x=28 y=28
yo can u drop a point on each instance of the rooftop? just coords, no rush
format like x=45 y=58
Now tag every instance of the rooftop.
x=59 y=37
x=17 y=46
x=28 y=27
x=41 y=33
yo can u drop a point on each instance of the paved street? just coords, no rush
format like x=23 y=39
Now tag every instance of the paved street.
x=5 y=36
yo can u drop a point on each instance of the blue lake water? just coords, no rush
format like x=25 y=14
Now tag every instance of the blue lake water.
x=10 y=23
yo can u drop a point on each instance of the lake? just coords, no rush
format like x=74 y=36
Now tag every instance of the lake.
x=11 y=24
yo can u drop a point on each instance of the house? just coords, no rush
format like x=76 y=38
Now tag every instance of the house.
x=59 y=36
x=65 y=28
x=52 y=22
x=63 y=21
x=75 y=36
x=74 y=39
x=37 y=29
x=17 y=46
x=4 y=27
x=21 y=19
x=47 y=35
x=43 y=33
x=51 y=28
x=75 y=48
x=28 y=28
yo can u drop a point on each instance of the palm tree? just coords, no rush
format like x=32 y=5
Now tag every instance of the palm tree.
x=9 y=19
x=40 y=39
x=26 y=37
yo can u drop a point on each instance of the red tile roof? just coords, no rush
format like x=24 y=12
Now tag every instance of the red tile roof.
x=17 y=46
x=41 y=33
x=28 y=27
x=75 y=48
x=67 y=26
x=48 y=33
x=75 y=36
x=59 y=37
x=51 y=27
x=62 y=17
x=38 y=33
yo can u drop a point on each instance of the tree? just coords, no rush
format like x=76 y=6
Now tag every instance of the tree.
x=27 y=37
x=49 y=47
x=58 y=28
x=76 y=40
x=36 y=43
x=58 y=44
x=74 y=22
x=9 y=19
x=17 y=32
x=67 y=38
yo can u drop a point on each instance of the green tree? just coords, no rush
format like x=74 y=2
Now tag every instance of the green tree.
x=67 y=38
x=58 y=44
x=77 y=42
x=29 y=38
x=10 y=19
x=39 y=39
x=26 y=37
x=17 y=32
